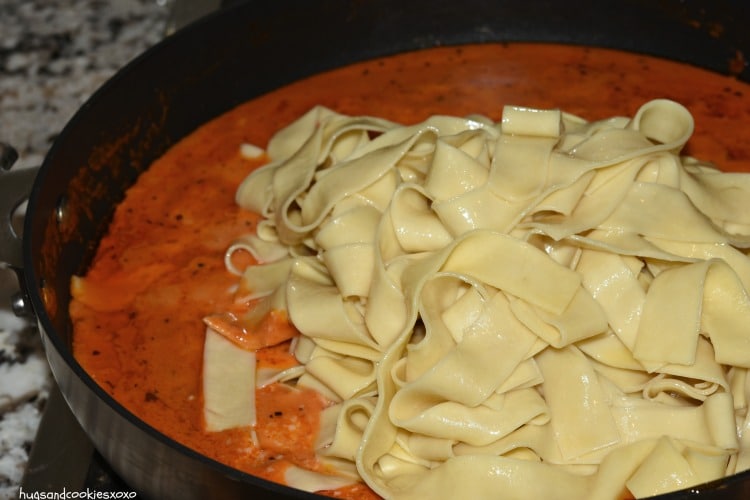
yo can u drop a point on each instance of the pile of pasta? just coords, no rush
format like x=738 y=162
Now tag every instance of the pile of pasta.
x=543 y=306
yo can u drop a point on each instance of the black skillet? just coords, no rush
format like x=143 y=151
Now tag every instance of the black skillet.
x=211 y=66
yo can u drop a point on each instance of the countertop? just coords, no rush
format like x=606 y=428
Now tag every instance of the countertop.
x=53 y=55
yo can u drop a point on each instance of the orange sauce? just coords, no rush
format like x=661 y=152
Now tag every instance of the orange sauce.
x=138 y=326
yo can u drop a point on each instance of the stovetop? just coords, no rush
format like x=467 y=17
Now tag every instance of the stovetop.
x=63 y=458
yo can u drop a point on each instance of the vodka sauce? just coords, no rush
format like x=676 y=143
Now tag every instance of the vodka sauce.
x=137 y=314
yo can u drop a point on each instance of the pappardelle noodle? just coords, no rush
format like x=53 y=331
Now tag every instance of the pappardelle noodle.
x=544 y=306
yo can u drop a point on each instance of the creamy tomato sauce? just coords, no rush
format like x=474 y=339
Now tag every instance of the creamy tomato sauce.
x=137 y=316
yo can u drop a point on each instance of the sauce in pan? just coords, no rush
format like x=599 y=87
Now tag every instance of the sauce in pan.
x=137 y=316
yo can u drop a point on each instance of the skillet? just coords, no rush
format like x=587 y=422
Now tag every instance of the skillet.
x=213 y=65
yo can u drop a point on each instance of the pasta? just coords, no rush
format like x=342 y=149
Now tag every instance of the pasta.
x=543 y=306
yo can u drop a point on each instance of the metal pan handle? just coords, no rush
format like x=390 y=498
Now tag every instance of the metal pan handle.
x=15 y=187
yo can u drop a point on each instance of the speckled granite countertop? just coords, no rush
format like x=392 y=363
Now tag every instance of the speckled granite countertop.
x=53 y=55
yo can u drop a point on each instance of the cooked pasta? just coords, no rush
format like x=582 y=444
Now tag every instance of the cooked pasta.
x=543 y=306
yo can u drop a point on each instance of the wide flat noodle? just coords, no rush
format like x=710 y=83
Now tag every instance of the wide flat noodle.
x=544 y=307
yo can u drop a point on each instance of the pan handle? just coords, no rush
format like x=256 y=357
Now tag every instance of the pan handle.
x=15 y=187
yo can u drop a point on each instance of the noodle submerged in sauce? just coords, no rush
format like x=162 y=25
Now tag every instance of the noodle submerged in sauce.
x=576 y=271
